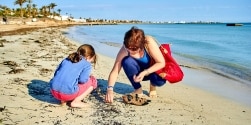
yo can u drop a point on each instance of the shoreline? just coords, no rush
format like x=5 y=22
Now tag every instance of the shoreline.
x=237 y=89
x=227 y=69
x=29 y=61
x=12 y=29
x=184 y=62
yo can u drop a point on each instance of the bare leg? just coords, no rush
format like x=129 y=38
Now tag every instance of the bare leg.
x=63 y=103
x=77 y=102
x=139 y=91
x=152 y=92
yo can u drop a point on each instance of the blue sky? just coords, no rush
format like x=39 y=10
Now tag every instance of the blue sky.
x=152 y=10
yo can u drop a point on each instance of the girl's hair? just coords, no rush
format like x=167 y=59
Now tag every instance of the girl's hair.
x=84 y=50
x=134 y=38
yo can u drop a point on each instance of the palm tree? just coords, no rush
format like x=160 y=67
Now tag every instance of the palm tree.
x=51 y=6
x=59 y=10
x=49 y=10
x=29 y=7
x=34 y=10
x=20 y=3
x=43 y=11
x=5 y=10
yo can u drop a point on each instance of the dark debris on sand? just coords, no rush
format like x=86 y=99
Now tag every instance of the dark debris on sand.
x=108 y=114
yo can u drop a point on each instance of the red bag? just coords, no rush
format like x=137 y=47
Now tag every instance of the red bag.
x=172 y=71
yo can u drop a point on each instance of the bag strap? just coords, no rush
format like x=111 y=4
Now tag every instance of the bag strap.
x=155 y=40
x=161 y=47
x=159 y=44
x=147 y=49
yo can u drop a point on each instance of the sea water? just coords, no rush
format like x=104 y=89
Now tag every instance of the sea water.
x=224 y=50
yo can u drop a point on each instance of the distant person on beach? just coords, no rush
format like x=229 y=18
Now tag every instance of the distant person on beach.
x=135 y=61
x=5 y=20
x=72 y=80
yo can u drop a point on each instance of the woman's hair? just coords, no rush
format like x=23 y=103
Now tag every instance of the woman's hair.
x=84 y=50
x=134 y=38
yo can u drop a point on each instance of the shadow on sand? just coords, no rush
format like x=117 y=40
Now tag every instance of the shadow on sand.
x=120 y=88
x=40 y=90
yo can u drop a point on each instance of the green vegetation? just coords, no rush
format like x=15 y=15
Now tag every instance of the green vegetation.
x=29 y=11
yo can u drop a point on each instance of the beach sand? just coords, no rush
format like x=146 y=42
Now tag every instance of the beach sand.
x=28 y=60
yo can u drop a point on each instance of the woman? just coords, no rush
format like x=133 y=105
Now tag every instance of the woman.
x=135 y=58
x=72 y=80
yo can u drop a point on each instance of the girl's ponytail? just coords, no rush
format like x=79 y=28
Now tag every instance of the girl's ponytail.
x=75 y=57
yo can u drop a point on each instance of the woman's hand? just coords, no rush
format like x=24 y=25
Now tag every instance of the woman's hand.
x=109 y=96
x=140 y=77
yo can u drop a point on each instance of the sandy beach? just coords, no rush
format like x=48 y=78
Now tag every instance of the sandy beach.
x=28 y=60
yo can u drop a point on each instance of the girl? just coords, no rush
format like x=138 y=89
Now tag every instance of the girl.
x=72 y=79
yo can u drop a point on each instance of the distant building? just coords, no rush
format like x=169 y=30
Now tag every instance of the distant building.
x=79 y=20
x=63 y=18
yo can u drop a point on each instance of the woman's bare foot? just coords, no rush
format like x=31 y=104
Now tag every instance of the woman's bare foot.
x=139 y=92
x=153 y=94
x=152 y=91
x=78 y=104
